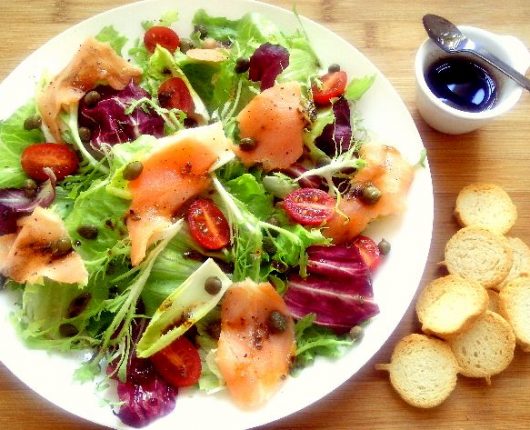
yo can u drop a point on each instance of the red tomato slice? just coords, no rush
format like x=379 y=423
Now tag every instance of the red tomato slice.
x=179 y=363
x=309 y=206
x=208 y=225
x=333 y=85
x=57 y=156
x=162 y=36
x=174 y=94
x=369 y=251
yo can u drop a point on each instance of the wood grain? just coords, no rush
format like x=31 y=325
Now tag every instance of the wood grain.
x=388 y=32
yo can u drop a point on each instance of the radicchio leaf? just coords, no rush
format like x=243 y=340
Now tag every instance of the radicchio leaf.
x=336 y=137
x=16 y=202
x=8 y=220
x=338 y=288
x=145 y=395
x=267 y=62
x=108 y=122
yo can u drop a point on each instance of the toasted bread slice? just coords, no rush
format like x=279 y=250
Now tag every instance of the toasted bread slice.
x=423 y=370
x=449 y=305
x=521 y=261
x=478 y=254
x=486 y=349
x=485 y=205
x=514 y=304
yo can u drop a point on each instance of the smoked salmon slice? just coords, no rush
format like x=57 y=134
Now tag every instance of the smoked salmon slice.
x=253 y=358
x=175 y=172
x=390 y=173
x=29 y=255
x=274 y=121
x=94 y=63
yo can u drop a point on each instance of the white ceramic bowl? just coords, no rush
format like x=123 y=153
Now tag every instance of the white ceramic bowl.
x=447 y=119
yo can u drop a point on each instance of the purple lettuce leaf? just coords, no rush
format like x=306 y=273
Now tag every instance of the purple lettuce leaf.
x=108 y=122
x=337 y=135
x=267 y=62
x=8 y=220
x=338 y=288
x=17 y=202
x=145 y=395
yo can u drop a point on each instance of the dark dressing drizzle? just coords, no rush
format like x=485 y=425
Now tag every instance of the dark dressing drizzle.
x=462 y=84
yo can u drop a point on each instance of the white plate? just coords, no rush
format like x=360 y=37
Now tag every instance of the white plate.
x=395 y=283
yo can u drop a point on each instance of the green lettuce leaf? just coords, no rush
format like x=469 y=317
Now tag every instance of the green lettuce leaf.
x=13 y=140
x=57 y=316
x=97 y=208
x=171 y=268
x=357 y=87
x=313 y=341
x=252 y=193
x=116 y=40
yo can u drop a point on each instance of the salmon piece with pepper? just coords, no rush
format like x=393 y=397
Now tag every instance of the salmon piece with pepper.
x=178 y=170
x=390 y=173
x=41 y=249
x=257 y=342
x=274 y=121
x=94 y=63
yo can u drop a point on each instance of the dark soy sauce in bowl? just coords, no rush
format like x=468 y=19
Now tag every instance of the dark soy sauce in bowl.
x=462 y=84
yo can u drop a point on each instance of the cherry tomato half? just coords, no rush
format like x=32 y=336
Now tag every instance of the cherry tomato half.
x=309 y=206
x=162 y=36
x=174 y=94
x=333 y=85
x=57 y=156
x=179 y=363
x=369 y=251
x=208 y=225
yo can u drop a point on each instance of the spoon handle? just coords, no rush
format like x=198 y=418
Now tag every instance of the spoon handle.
x=501 y=65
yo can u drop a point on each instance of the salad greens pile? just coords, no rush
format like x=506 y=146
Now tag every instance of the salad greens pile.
x=267 y=244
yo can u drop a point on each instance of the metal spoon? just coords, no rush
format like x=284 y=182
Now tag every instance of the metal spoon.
x=448 y=37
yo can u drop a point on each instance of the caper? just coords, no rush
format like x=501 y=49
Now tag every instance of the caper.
x=78 y=305
x=61 y=247
x=32 y=122
x=132 y=170
x=202 y=30
x=277 y=322
x=92 y=98
x=356 y=332
x=242 y=65
x=186 y=45
x=213 y=285
x=247 y=144
x=68 y=330
x=334 y=68
x=384 y=246
x=30 y=188
x=84 y=134
x=88 y=231
x=370 y=194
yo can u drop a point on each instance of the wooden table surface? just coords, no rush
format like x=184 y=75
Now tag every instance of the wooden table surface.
x=388 y=32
